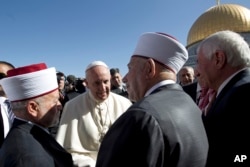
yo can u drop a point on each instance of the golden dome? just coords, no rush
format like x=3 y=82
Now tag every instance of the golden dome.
x=221 y=17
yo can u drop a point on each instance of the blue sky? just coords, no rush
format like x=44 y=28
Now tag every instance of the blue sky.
x=69 y=34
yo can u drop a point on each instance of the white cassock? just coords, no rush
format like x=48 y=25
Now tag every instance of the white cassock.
x=84 y=122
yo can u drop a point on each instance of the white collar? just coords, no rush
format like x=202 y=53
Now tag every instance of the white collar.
x=159 y=84
x=2 y=99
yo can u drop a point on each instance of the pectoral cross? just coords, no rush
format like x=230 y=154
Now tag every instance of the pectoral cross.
x=102 y=133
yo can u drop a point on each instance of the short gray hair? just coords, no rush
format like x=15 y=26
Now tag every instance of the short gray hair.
x=231 y=43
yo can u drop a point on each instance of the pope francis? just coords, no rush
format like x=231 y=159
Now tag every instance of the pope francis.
x=86 y=118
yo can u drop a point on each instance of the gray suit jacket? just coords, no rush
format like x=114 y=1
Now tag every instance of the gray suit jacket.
x=164 y=129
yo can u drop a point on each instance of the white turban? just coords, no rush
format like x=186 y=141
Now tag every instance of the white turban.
x=29 y=82
x=163 y=48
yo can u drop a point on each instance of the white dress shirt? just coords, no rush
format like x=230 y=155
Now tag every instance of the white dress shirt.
x=7 y=122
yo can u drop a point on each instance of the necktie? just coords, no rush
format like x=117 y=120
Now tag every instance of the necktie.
x=10 y=113
x=211 y=100
x=207 y=97
x=202 y=96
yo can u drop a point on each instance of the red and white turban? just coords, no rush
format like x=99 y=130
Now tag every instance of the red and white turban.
x=29 y=82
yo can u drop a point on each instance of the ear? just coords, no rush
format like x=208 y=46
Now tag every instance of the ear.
x=149 y=68
x=220 y=59
x=33 y=108
x=87 y=83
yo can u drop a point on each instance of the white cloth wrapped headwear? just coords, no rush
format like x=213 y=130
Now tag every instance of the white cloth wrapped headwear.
x=29 y=82
x=163 y=48
x=96 y=63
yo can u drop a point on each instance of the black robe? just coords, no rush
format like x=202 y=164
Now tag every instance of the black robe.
x=27 y=145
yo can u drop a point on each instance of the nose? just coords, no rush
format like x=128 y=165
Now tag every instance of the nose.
x=197 y=74
x=102 y=86
x=124 y=79
x=186 y=77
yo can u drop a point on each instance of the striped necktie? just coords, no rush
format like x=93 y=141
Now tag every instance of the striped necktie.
x=9 y=109
x=207 y=100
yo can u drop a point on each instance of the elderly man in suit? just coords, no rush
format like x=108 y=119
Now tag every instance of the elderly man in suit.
x=223 y=61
